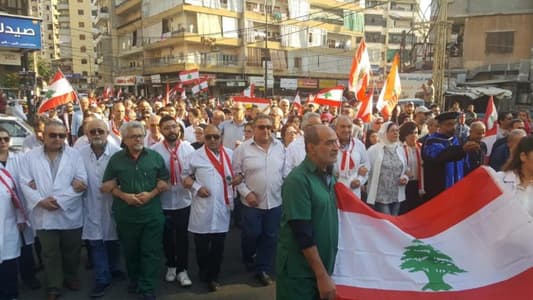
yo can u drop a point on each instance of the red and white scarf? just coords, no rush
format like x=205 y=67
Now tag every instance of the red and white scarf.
x=175 y=173
x=114 y=128
x=347 y=163
x=420 y=170
x=11 y=188
x=224 y=169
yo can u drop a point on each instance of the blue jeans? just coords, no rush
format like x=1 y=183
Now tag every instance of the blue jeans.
x=392 y=209
x=260 y=229
x=106 y=259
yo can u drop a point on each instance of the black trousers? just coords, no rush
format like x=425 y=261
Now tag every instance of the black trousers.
x=26 y=263
x=176 y=238
x=8 y=279
x=209 y=253
x=412 y=197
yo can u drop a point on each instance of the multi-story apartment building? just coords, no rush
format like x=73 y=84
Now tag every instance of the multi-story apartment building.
x=389 y=28
x=491 y=45
x=67 y=39
x=307 y=44
x=105 y=50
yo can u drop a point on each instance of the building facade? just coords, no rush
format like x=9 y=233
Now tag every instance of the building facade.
x=302 y=44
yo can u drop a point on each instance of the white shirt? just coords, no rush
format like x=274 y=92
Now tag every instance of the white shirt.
x=262 y=171
x=10 y=241
x=98 y=224
x=231 y=133
x=115 y=136
x=511 y=185
x=294 y=155
x=31 y=142
x=210 y=214
x=177 y=197
x=36 y=168
x=188 y=134
x=357 y=152
x=149 y=141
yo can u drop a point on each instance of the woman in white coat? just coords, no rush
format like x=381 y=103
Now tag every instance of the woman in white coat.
x=517 y=175
x=387 y=179
x=10 y=241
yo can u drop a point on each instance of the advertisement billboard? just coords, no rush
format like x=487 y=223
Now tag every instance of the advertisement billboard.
x=20 y=32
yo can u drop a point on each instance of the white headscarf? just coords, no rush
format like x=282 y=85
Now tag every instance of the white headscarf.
x=382 y=133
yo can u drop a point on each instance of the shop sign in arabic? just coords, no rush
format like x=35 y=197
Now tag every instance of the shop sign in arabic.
x=19 y=32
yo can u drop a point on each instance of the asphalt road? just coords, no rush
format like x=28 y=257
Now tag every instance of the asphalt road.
x=236 y=283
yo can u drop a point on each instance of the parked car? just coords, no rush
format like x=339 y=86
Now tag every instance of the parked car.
x=18 y=130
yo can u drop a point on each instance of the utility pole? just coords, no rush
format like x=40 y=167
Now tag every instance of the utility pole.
x=267 y=54
x=439 y=54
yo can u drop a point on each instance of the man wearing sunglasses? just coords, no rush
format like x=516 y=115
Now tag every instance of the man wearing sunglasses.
x=98 y=224
x=260 y=162
x=53 y=179
x=208 y=173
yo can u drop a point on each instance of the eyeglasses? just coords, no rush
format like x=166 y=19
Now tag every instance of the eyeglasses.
x=263 y=127
x=5 y=139
x=215 y=137
x=53 y=135
x=136 y=136
x=97 y=131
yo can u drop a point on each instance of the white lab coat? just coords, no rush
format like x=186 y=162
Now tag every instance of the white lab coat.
x=210 y=214
x=36 y=168
x=177 y=197
x=10 y=241
x=511 y=185
x=13 y=165
x=98 y=224
x=360 y=159
x=294 y=155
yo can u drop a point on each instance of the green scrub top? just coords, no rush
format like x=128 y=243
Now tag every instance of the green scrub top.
x=136 y=176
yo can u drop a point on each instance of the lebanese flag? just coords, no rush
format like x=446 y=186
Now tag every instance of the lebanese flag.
x=360 y=72
x=390 y=93
x=119 y=93
x=297 y=103
x=310 y=98
x=59 y=92
x=467 y=243
x=189 y=76
x=331 y=97
x=491 y=122
x=200 y=87
x=261 y=103
x=249 y=91
x=365 y=110
x=108 y=92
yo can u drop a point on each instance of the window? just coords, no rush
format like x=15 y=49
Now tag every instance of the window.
x=81 y=12
x=49 y=26
x=499 y=42
x=82 y=37
x=84 y=61
x=134 y=38
x=298 y=62
x=83 y=49
x=81 y=24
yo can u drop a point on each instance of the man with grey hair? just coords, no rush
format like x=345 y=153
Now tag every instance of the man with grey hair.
x=53 y=179
x=501 y=153
x=135 y=176
x=295 y=152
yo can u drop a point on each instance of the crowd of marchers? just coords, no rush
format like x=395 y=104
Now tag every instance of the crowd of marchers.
x=136 y=179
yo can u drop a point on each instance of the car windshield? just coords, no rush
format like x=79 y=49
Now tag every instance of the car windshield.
x=14 y=128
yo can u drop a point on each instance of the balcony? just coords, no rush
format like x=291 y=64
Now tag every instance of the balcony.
x=129 y=50
x=126 y=6
x=62 y=6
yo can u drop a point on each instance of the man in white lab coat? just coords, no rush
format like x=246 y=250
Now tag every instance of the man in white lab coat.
x=208 y=172
x=98 y=226
x=53 y=179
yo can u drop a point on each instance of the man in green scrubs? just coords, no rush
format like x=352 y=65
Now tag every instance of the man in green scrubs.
x=307 y=245
x=135 y=176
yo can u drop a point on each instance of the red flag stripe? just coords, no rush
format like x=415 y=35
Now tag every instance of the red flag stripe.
x=516 y=288
x=56 y=101
x=323 y=101
x=457 y=202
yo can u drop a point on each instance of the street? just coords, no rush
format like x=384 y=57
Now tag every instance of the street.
x=235 y=282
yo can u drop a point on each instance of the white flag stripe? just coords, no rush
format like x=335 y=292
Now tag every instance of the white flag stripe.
x=60 y=87
x=492 y=254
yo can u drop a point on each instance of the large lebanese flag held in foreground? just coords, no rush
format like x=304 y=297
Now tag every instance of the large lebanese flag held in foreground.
x=466 y=243
x=59 y=92
x=331 y=97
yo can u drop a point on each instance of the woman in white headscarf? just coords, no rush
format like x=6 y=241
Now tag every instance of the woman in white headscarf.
x=387 y=179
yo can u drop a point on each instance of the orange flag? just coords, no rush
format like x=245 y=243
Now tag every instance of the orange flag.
x=390 y=93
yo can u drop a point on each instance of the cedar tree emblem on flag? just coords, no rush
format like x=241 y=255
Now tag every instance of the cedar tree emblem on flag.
x=421 y=257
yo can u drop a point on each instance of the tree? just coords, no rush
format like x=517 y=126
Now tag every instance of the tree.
x=421 y=257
